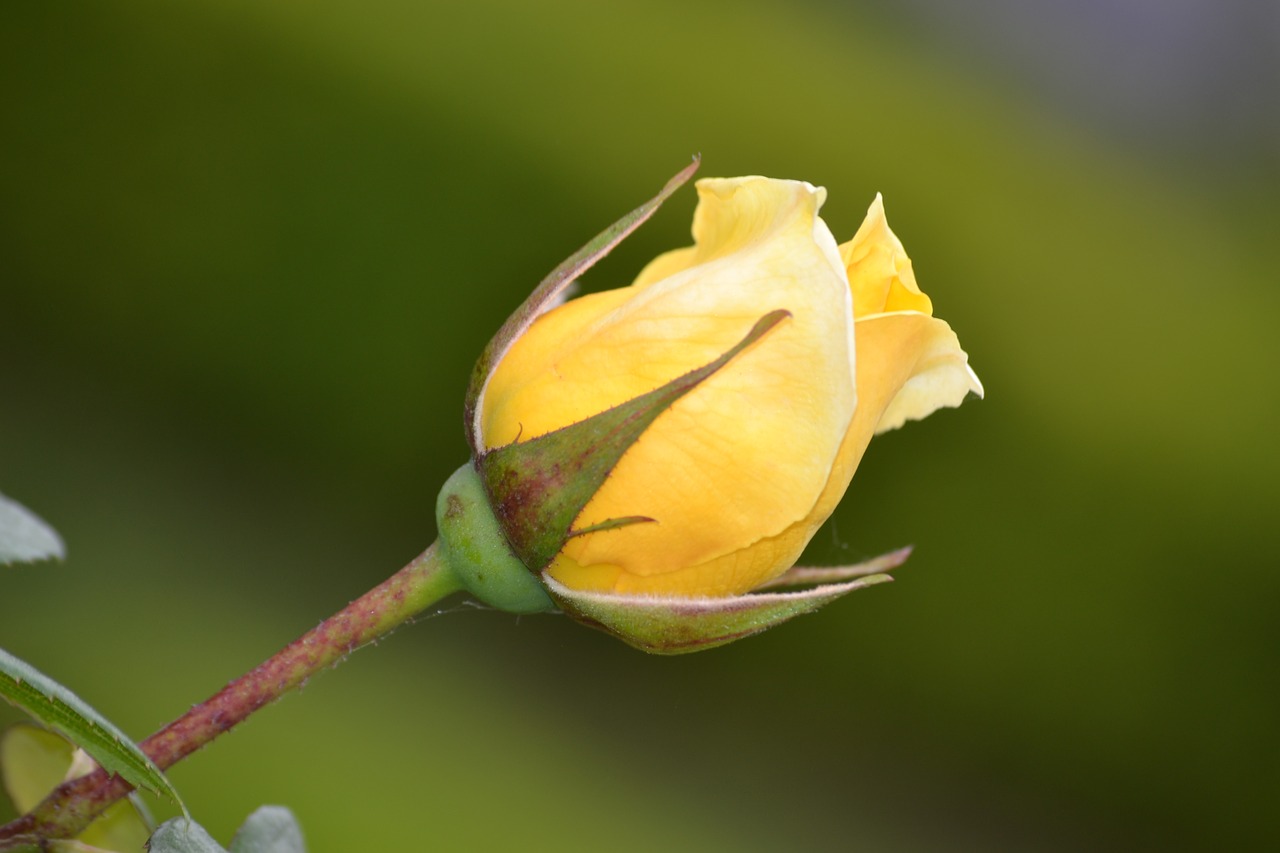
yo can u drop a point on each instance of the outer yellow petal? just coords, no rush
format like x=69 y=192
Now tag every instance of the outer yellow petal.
x=747 y=453
x=729 y=211
x=940 y=372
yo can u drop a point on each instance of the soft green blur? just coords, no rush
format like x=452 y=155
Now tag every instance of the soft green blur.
x=249 y=252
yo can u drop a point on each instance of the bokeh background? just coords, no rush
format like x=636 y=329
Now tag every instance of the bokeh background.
x=250 y=250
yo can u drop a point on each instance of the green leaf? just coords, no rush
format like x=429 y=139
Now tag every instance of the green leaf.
x=24 y=538
x=58 y=708
x=34 y=761
x=271 y=829
x=548 y=293
x=183 y=835
x=541 y=486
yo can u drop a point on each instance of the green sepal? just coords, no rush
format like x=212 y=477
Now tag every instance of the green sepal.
x=548 y=294
x=539 y=487
x=474 y=549
x=670 y=625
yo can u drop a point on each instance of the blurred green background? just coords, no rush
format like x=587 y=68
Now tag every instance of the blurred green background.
x=250 y=250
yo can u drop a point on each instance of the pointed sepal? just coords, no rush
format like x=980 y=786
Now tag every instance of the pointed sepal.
x=549 y=293
x=539 y=487
x=670 y=625
x=807 y=576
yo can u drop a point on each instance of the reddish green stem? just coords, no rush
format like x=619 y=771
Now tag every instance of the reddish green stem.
x=73 y=805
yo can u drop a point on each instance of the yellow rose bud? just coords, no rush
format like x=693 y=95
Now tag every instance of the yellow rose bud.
x=740 y=471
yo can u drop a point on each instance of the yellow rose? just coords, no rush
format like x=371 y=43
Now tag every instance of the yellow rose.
x=738 y=474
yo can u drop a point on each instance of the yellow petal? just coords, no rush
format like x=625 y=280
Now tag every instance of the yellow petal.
x=879 y=270
x=884 y=283
x=746 y=454
x=731 y=213
x=940 y=373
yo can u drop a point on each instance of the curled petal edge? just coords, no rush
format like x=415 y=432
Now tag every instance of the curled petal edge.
x=672 y=625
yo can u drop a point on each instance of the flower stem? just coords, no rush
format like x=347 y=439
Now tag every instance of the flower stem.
x=73 y=805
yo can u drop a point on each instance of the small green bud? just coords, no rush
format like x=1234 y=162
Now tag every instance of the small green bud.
x=473 y=546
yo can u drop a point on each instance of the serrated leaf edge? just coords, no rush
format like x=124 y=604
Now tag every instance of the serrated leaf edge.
x=54 y=705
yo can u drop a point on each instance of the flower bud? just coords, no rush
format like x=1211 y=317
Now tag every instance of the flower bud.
x=655 y=453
